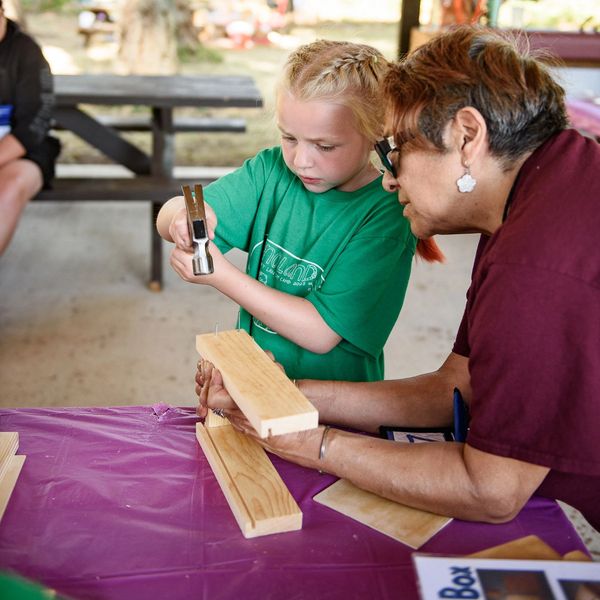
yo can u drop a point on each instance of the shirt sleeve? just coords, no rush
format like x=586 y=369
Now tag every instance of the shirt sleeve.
x=34 y=97
x=364 y=291
x=234 y=198
x=535 y=368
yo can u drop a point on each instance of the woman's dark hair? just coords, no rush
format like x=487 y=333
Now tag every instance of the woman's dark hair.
x=472 y=66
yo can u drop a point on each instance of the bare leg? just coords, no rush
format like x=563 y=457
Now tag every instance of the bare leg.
x=20 y=180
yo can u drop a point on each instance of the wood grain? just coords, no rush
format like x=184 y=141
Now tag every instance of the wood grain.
x=410 y=526
x=9 y=480
x=269 y=400
x=9 y=444
x=256 y=494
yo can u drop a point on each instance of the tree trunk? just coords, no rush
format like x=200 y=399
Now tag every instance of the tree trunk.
x=148 y=42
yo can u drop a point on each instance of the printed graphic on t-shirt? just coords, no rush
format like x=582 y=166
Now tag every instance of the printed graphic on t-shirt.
x=286 y=272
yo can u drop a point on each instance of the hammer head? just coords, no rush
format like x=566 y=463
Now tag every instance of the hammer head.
x=202 y=262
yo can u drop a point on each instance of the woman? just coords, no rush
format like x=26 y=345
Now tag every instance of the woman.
x=482 y=146
x=27 y=153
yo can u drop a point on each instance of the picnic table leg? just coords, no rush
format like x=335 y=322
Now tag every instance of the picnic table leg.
x=163 y=159
x=155 y=283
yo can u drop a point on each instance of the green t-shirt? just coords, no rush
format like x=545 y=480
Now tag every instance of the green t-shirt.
x=348 y=253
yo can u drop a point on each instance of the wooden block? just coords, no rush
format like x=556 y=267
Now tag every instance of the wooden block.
x=9 y=480
x=257 y=496
x=410 y=526
x=9 y=443
x=270 y=401
x=213 y=420
x=577 y=555
x=530 y=547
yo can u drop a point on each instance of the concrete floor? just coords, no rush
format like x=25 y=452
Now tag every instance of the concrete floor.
x=78 y=326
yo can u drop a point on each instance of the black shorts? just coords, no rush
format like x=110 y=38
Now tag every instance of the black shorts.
x=44 y=156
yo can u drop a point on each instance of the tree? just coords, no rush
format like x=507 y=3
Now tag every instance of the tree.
x=152 y=32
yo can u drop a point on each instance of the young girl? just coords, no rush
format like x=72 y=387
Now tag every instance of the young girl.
x=329 y=252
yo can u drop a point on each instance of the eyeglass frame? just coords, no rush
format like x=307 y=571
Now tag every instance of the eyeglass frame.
x=384 y=149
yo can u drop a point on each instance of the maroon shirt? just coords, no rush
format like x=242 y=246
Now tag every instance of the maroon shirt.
x=531 y=327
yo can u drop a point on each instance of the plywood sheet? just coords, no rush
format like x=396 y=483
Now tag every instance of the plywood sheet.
x=410 y=526
x=257 y=496
x=270 y=401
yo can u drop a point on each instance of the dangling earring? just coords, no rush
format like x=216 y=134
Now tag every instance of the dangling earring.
x=466 y=183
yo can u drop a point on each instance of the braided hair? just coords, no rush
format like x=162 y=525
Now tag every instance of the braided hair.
x=346 y=72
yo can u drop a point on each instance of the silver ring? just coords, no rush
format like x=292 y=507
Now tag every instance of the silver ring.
x=219 y=412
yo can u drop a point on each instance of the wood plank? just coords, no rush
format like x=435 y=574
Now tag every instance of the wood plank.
x=9 y=480
x=410 y=526
x=256 y=494
x=9 y=444
x=530 y=547
x=270 y=401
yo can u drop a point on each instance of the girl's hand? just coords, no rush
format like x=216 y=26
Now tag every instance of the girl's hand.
x=179 y=231
x=181 y=261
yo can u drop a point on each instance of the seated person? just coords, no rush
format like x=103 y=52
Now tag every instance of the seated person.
x=482 y=145
x=27 y=153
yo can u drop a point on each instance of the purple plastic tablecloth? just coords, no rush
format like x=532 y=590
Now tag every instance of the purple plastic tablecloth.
x=120 y=503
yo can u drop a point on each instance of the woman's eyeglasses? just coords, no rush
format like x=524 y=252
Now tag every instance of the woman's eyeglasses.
x=384 y=150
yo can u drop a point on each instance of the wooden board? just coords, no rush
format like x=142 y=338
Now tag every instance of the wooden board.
x=9 y=480
x=257 y=496
x=270 y=401
x=530 y=547
x=410 y=526
x=9 y=443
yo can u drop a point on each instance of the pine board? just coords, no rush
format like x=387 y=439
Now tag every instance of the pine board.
x=410 y=526
x=9 y=480
x=256 y=494
x=268 y=399
x=9 y=444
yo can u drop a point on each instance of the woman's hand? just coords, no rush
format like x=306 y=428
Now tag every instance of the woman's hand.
x=210 y=390
x=301 y=447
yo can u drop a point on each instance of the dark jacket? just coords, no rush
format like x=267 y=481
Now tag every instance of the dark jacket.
x=26 y=84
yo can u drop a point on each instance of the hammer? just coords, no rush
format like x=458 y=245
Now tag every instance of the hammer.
x=202 y=261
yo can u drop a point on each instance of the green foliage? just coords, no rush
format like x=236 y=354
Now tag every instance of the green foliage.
x=45 y=5
x=198 y=53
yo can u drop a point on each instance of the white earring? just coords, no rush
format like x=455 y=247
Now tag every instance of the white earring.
x=466 y=183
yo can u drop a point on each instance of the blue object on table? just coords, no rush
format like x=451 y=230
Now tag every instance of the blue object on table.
x=461 y=417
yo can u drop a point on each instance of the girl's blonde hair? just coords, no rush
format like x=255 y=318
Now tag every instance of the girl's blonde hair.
x=345 y=72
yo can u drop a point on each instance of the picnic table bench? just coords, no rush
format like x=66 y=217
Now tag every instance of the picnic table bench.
x=153 y=175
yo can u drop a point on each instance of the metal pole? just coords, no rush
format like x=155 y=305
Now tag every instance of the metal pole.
x=409 y=18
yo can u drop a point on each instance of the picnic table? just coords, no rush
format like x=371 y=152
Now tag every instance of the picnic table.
x=153 y=176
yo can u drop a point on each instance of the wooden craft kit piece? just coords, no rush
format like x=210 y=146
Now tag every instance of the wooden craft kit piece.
x=9 y=442
x=410 y=526
x=10 y=466
x=530 y=547
x=257 y=496
x=268 y=399
x=8 y=482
